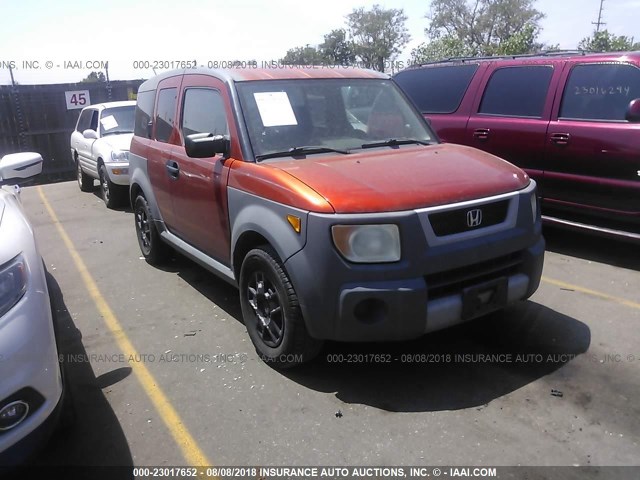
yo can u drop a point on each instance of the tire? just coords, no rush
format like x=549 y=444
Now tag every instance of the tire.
x=271 y=311
x=112 y=194
x=85 y=182
x=154 y=250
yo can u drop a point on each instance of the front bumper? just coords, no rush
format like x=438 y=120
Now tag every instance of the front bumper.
x=118 y=172
x=430 y=288
x=29 y=370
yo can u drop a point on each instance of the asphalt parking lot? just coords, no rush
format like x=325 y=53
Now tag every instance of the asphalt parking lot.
x=551 y=381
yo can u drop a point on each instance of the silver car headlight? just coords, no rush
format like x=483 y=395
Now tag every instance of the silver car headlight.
x=13 y=283
x=367 y=243
x=119 y=156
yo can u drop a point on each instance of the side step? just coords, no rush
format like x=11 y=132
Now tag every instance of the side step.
x=584 y=227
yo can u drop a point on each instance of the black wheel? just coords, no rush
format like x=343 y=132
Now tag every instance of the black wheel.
x=272 y=313
x=85 y=182
x=111 y=194
x=153 y=248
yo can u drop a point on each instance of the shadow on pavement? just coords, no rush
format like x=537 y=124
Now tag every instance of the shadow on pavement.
x=94 y=437
x=462 y=367
x=590 y=247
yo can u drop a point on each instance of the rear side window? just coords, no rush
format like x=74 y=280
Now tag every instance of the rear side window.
x=165 y=113
x=437 y=89
x=600 y=91
x=203 y=112
x=144 y=111
x=517 y=91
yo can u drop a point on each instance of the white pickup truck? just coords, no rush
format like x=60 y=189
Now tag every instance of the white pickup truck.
x=100 y=149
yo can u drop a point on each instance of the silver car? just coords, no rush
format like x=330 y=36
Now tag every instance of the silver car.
x=31 y=384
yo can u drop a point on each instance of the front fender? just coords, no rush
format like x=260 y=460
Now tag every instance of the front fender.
x=250 y=213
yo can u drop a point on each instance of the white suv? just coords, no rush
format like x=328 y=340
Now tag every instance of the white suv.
x=100 y=149
x=30 y=376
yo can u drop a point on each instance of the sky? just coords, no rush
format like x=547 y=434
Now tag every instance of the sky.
x=61 y=37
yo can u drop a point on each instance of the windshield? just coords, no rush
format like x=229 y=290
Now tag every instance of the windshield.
x=342 y=114
x=117 y=120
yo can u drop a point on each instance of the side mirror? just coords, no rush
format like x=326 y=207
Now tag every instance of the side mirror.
x=149 y=129
x=17 y=166
x=90 y=134
x=205 y=145
x=633 y=111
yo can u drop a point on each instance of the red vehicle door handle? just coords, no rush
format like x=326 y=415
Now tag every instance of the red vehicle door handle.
x=481 y=134
x=560 y=138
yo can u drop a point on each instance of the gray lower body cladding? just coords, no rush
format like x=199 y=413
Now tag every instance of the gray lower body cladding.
x=427 y=290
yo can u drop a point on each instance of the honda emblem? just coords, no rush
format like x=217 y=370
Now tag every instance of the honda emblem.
x=474 y=218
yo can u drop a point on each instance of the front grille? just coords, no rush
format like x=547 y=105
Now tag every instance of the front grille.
x=454 y=281
x=466 y=219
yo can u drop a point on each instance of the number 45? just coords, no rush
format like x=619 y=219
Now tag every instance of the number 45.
x=78 y=99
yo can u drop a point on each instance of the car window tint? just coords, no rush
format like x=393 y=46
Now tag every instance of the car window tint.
x=165 y=113
x=437 y=89
x=203 y=112
x=94 y=120
x=600 y=91
x=144 y=111
x=517 y=91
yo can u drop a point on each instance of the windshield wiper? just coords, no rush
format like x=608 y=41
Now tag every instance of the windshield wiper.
x=392 y=142
x=301 y=151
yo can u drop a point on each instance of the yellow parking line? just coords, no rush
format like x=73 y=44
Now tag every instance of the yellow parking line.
x=190 y=449
x=588 y=291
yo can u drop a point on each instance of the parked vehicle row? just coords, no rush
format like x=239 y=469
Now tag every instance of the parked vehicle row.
x=572 y=122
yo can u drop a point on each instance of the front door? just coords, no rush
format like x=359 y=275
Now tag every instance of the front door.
x=200 y=190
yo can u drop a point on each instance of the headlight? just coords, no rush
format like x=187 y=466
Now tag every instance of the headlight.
x=367 y=243
x=119 y=156
x=13 y=283
x=534 y=206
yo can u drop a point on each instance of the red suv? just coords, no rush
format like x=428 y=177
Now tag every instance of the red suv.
x=571 y=121
x=327 y=199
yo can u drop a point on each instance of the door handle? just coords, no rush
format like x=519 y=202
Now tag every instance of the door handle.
x=173 y=169
x=560 y=138
x=481 y=134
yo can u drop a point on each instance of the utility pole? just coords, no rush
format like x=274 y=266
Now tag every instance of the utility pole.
x=599 y=22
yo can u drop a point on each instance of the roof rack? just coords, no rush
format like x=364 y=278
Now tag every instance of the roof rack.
x=546 y=53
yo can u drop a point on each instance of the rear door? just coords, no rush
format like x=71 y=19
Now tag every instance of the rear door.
x=161 y=150
x=511 y=117
x=594 y=153
x=200 y=189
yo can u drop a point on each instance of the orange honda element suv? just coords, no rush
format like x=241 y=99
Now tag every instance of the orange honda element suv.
x=324 y=196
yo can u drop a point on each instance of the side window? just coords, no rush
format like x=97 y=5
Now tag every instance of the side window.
x=517 y=91
x=165 y=113
x=84 y=121
x=144 y=112
x=94 y=120
x=203 y=112
x=600 y=91
x=437 y=89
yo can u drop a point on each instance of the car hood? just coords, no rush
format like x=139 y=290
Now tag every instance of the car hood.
x=404 y=178
x=121 y=141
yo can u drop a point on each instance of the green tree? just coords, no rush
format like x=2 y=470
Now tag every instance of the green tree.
x=605 y=41
x=378 y=35
x=337 y=49
x=441 y=48
x=306 y=55
x=94 y=77
x=487 y=27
